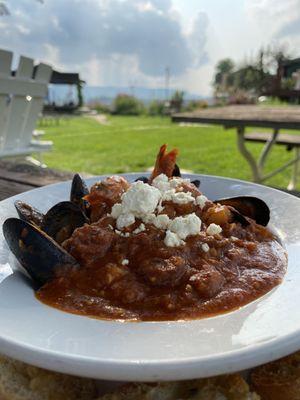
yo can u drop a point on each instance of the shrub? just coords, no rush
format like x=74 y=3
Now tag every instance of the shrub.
x=127 y=105
x=195 y=104
x=157 y=107
x=100 y=107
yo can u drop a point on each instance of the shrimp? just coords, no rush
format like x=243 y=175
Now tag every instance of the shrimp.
x=165 y=162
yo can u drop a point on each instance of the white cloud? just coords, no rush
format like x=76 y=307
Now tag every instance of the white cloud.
x=108 y=41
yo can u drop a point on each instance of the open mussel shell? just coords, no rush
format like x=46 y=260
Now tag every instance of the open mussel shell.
x=29 y=213
x=62 y=219
x=196 y=182
x=249 y=206
x=143 y=179
x=79 y=190
x=176 y=171
x=38 y=254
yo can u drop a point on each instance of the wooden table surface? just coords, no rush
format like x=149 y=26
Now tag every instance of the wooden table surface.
x=16 y=178
x=245 y=115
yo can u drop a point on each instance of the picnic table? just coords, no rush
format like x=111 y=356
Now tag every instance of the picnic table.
x=241 y=117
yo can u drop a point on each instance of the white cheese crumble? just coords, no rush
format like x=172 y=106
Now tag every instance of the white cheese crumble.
x=177 y=181
x=168 y=195
x=116 y=210
x=125 y=220
x=140 y=199
x=182 y=197
x=205 y=247
x=161 y=182
x=201 y=201
x=160 y=208
x=125 y=261
x=139 y=229
x=185 y=226
x=161 y=221
x=213 y=229
x=149 y=218
x=172 y=240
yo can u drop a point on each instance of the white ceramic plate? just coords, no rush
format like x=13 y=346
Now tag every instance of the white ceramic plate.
x=149 y=351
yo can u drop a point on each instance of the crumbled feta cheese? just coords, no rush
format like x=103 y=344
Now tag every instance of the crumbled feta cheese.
x=161 y=182
x=168 y=195
x=116 y=210
x=213 y=229
x=125 y=234
x=186 y=225
x=125 y=220
x=161 y=221
x=172 y=240
x=234 y=238
x=182 y=197
x=140 y=199
x=139 y=229
x=176 y=181
x=160 y=208
x=205 y=247
x=149 y=218
x=201 y=201
x=125 y=261
x=118 y=232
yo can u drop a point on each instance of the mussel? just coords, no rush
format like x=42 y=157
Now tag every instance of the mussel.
x=29 y=213
x=59 y=222
x=37 y=252
x=62 y=219
x=78 y=192
x=248 y=206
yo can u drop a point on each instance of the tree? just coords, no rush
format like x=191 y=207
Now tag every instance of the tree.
x=223 y=80
x=176 y=101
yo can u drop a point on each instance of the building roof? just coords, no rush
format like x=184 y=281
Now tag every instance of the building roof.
x=65 y=78
x=290 y=66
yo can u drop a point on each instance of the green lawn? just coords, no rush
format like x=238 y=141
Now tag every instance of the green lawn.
x=131 y=143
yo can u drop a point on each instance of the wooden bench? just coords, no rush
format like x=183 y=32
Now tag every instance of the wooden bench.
x=290 y=141
x=284 y=139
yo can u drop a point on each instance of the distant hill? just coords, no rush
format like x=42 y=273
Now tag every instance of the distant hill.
x=107 y=93
x=64 y=94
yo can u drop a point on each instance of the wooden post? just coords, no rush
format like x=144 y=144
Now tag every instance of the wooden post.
x=256 y=175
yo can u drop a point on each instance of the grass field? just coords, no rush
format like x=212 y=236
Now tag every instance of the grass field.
x=131 y=143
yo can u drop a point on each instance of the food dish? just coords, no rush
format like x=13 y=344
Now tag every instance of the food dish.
x=259 y=332
x=154 y=249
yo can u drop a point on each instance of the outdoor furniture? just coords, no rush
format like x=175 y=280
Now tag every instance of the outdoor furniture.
x=21 y=101
x=241 y=117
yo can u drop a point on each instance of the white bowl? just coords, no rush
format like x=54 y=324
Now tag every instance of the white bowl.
x=261 y=331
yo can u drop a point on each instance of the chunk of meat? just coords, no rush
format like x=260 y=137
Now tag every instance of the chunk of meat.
x=127 y=291
x=165 y=162
x=207 y=283
x=105 y=194
x=89 y=243
x=158 y=272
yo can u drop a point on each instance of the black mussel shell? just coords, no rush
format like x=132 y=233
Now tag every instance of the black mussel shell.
x=39 y=255
x=79 y=189
x=176 y=171
x=249 y=206
x=143 y=179
x=62 y=219
x=29 y=213
x=196 y=182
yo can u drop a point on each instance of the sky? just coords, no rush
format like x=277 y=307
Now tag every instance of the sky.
x=132 y=42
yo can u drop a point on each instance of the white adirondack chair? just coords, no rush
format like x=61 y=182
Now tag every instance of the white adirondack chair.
x=21 y=102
